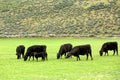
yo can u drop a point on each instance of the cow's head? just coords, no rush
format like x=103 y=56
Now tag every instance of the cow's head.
x=25 y=57
x=58 y=55
x=101 y=53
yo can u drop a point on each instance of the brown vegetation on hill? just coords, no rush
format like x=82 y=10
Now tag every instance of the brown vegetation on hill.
x=55 y=18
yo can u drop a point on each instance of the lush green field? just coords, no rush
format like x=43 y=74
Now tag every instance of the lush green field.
x=101 y=68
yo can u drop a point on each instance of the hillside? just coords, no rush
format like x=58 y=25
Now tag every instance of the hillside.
x=59 y=18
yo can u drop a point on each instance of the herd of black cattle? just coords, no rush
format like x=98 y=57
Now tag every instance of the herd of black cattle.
x=40 y=51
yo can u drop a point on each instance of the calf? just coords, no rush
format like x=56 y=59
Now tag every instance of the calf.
x=64 y=49
x=20 y=51
x=32 y=50
x=109 y=46
x=43 y=55
x=80 y=50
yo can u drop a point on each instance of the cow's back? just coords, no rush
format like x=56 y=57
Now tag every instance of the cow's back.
x=110 y=45
x=37 y=48
x=65 y=48
x=84 y=49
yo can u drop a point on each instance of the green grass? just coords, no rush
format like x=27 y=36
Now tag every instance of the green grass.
x=101 y=68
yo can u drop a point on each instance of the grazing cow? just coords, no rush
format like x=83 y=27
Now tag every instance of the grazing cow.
x=64 y=49
x=81 y=50
x=32 y=50
x=109 y=46
x=20 y=51
x=43 y=55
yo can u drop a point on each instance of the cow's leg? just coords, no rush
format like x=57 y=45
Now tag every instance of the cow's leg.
x=61 y=56
x=91 y=56
x=107 y=53
x=65 y=54
x=37 y=59
x=43 y=58
x=78 y=58
x=29 y=58
x=87 y=56
x=22 y=55
x=113 y=52
x=33 y=58
x=19 y=55
x=46 y=57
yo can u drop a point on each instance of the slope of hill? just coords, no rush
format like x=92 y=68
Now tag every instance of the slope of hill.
x=54 y=18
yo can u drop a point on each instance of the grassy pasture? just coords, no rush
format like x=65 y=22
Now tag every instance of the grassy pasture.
x=101 y=68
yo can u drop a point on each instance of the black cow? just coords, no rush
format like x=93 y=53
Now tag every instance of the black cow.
x=109 y=46
x=43 y=55
x=64 y=49
x=35 y=49
x=20 y=51
x=81 y=50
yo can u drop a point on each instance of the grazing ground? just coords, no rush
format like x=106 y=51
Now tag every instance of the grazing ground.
x=101 y=68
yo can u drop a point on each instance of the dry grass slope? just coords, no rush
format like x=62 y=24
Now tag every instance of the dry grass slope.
x=51 y=18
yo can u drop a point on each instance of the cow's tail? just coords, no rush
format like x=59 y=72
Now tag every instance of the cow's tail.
x=91 y=53
x=46 y=56
x=117 y=48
